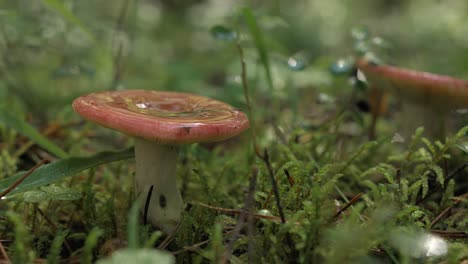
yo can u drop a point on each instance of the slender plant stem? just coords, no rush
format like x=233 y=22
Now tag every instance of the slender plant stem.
x=247 y=211
x=55 y=230
x=245 y=86
x=263 y=156
x=3 y=253
x=350 y=203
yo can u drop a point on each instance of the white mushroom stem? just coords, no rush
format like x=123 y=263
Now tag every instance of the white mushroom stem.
x=156 y=166
x=416 y=115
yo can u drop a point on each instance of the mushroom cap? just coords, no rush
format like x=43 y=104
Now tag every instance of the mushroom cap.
x=163 y=117
x=421 y=87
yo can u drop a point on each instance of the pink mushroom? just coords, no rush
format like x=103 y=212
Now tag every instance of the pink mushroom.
x=420 y=87
x=160 y=121
x=429 y=96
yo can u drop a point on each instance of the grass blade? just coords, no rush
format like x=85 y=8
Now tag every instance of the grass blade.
x=30 y=132
x=259 y=43
x=133 y=227
x=61 y=169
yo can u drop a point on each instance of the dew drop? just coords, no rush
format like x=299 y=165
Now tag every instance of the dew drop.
x=223 y=33
x=341 y=66
x=296 y=64
x=435 y=246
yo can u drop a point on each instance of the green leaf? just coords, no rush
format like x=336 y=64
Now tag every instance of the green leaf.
x=61 y=193
x=424 y=185
x=60 y=8
x=141 y=256
x=90 y=243
x=404 y=190
x=463 y=146
x=61 y=169
x=462 y=132
x=22 y=127
x=56 y=247
x=34 y=196
x=51 y=193
x=414 y=189
x=439 y=173
x=133 y=226
x=429 y=146
x=259 y=43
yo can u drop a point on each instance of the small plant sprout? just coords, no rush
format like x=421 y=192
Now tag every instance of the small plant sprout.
x=426 y=96
x=160 y=121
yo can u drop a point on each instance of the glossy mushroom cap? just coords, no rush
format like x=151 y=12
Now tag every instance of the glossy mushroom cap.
x=163 y=117
x=422 y=87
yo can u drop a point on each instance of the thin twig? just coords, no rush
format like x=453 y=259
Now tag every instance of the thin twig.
x=194 y=247
x=349 y=204
x=248 y=203
x=191 y=248
x=55 y=229
x=450 y=234
x=170 y=237
x=3 y=252
x=238 y=212
x=245 y=86
x=290 y=179
x=264 y=156
x=250 y=240
x=456 y=171
x=266 y=159
x=446 y=210
x=398 y=178
x=442 y=214
x=20 y=180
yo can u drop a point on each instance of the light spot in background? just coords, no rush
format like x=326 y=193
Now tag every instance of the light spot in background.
x=149 y=13
x=397 y=138
x=296 y=63
x=435 y=246
x=419 y=244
